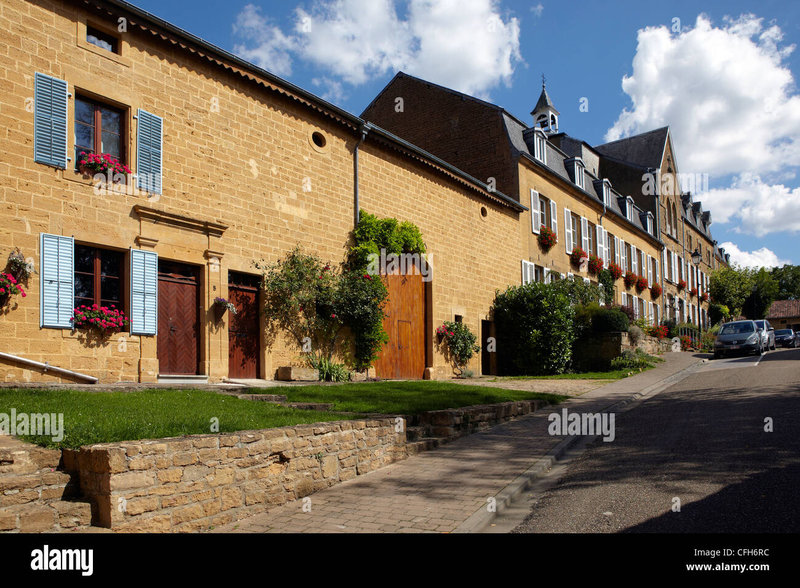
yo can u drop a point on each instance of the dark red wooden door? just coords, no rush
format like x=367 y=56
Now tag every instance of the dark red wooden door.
x=403 y=357
x=243 y=327
x=178 y=319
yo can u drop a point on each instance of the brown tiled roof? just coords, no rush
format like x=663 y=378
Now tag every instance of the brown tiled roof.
x=784 y=309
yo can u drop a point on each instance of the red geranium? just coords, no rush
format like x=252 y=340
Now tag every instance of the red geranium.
x=704 y=297
x=577 y=255
x=615 y=270
x=595 y=264
x=693 y=292
x=101 y=318
x=630 y=279
x=547 y=239
x=9 y=286
x=681 y=285
x=641 y=283
x=655 y=290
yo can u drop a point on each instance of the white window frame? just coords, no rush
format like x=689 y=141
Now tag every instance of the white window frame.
x=540 y=146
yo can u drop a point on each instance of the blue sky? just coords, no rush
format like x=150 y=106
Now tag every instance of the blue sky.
x=722 y=75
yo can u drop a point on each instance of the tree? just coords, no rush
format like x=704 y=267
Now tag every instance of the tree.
x=764 y=289
x=788 y=279
x=731 y=286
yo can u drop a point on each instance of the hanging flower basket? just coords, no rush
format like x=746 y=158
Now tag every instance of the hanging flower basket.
x=655 y=291
x=630 y=279
x=595 y=264
x=222 y=305
x=547 y=239
x=8 y=287
x=101 y=319
x=17 y=265
x=681 y=285
x=615 y=270
x=693 y=292
x=577 y=256
x=704 y=297
x=641 y=283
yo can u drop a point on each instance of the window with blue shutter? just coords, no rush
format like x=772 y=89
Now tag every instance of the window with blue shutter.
x=50 y=121
x=144 y=292
x=57 y=284
x=148 y=152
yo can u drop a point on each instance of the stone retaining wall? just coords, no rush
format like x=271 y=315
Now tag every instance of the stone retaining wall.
x=197 y=482
x=457 y=422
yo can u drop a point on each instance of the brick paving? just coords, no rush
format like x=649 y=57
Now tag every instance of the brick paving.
x=437 y=491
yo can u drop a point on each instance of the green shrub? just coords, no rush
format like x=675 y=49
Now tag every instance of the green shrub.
x=642 y=323
x=672 y=328
x=634 y=360
x=635 y=333
x=534 y=329
x=610 y=320
x=578 y=291
x=330 y=371
x=458 y=344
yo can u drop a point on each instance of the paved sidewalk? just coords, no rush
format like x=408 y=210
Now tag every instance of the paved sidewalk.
x=447 y=489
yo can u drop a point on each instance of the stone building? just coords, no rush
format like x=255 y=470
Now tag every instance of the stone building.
x=230 y=164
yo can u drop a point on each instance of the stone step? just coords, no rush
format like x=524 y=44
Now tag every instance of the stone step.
x=42 y=486
x=324 y=406
x=170 y=379
x=273 y=398
x=57 y=515
x=416 y=433
x=425 y=444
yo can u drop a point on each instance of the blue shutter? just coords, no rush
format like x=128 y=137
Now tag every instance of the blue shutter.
x=144 y=292
x=148 y=152
x=57 y=287
x=50 y=121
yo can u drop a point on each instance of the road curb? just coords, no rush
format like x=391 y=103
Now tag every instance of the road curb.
x=483 y=517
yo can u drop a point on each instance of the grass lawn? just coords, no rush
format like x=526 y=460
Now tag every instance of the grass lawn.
x=102 y=417
x=611 y=376
x=407 y=397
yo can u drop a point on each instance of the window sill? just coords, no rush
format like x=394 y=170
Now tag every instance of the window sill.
x=81 y=41
x=72 y=175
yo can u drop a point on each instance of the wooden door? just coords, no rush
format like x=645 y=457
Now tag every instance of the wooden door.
x=178 y=319
x=243 y=327
x=403 y=357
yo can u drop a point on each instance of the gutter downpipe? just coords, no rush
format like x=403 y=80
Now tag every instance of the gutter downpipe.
x=357 y=212
x=47 y=366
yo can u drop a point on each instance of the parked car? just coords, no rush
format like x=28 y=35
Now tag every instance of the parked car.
x=768 y=332
x=739 y=337
x=787 y=338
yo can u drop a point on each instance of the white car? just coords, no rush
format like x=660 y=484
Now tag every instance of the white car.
x=768 y=333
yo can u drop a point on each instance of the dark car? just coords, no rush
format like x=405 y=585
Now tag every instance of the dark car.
x=787 y=338
x=739 y=337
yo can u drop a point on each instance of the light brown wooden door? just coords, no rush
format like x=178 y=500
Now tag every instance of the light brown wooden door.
x=403 y=357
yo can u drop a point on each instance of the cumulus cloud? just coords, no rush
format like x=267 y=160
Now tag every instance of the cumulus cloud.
x=759 y=208
x=724 y=90
x=759 y=258
x=464 y=44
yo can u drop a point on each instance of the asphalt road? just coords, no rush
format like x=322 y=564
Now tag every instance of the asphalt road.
x=700 y=445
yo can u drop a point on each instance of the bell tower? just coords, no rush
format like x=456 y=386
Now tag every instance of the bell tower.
x=545 y=115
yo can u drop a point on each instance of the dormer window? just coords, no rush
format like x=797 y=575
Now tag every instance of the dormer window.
x=629 y=208
x=540 y=146
x=579 y=178
x=650 y=222
x=606 y=192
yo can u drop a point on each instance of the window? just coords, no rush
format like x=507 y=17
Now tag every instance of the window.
x=590 y=238
x=99 y=128
x=629 y=208
x=102 y=40
x=540 y=146
x=579 y=177
x=98 y=277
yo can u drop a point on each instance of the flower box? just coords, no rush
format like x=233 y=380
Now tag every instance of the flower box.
x=93 y=163
x=595 y=264
x=704 y=297
x=693 y=292
x=222 y=305
x=641 y=283
x=615 y=270
x=577 y=256
x=101 y=319
x=655 y=291
x=630 y=279
x=681 y=285
x=547 y=239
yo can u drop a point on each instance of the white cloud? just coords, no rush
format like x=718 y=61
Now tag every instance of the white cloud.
x=463 y=44
x=537 y=10
x=332 y=90
x=759 y=258
x=724 y=91
x=272 y=47
x=759 y=208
